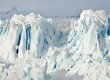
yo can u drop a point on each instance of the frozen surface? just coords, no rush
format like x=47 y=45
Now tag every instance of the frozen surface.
x=51 y=8
x=33 y=47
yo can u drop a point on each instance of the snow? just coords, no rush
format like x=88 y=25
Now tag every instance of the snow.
x=51 y=8
x=33 y=47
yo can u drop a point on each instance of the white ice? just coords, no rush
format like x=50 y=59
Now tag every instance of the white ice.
x=33 y=47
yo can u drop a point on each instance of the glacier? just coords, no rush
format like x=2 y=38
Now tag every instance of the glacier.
x=33 y=47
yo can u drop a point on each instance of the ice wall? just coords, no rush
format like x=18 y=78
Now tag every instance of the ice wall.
x=27 y=35
x=32 y=47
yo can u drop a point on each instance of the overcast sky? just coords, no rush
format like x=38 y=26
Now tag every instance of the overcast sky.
x=55 y=7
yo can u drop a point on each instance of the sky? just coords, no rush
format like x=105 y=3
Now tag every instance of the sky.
x=55 y=7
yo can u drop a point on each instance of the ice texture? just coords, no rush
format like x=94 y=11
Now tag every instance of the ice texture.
x=33 y=47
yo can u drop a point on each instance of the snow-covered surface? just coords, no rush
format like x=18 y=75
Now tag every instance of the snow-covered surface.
x=52 y=8
x=33 y=47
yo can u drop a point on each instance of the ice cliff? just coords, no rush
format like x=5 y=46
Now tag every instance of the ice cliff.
x=33 y=47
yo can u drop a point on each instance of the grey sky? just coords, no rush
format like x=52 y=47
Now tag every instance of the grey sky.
x=55 y=7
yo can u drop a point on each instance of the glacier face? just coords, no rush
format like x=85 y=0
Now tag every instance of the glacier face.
x=33 y=47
